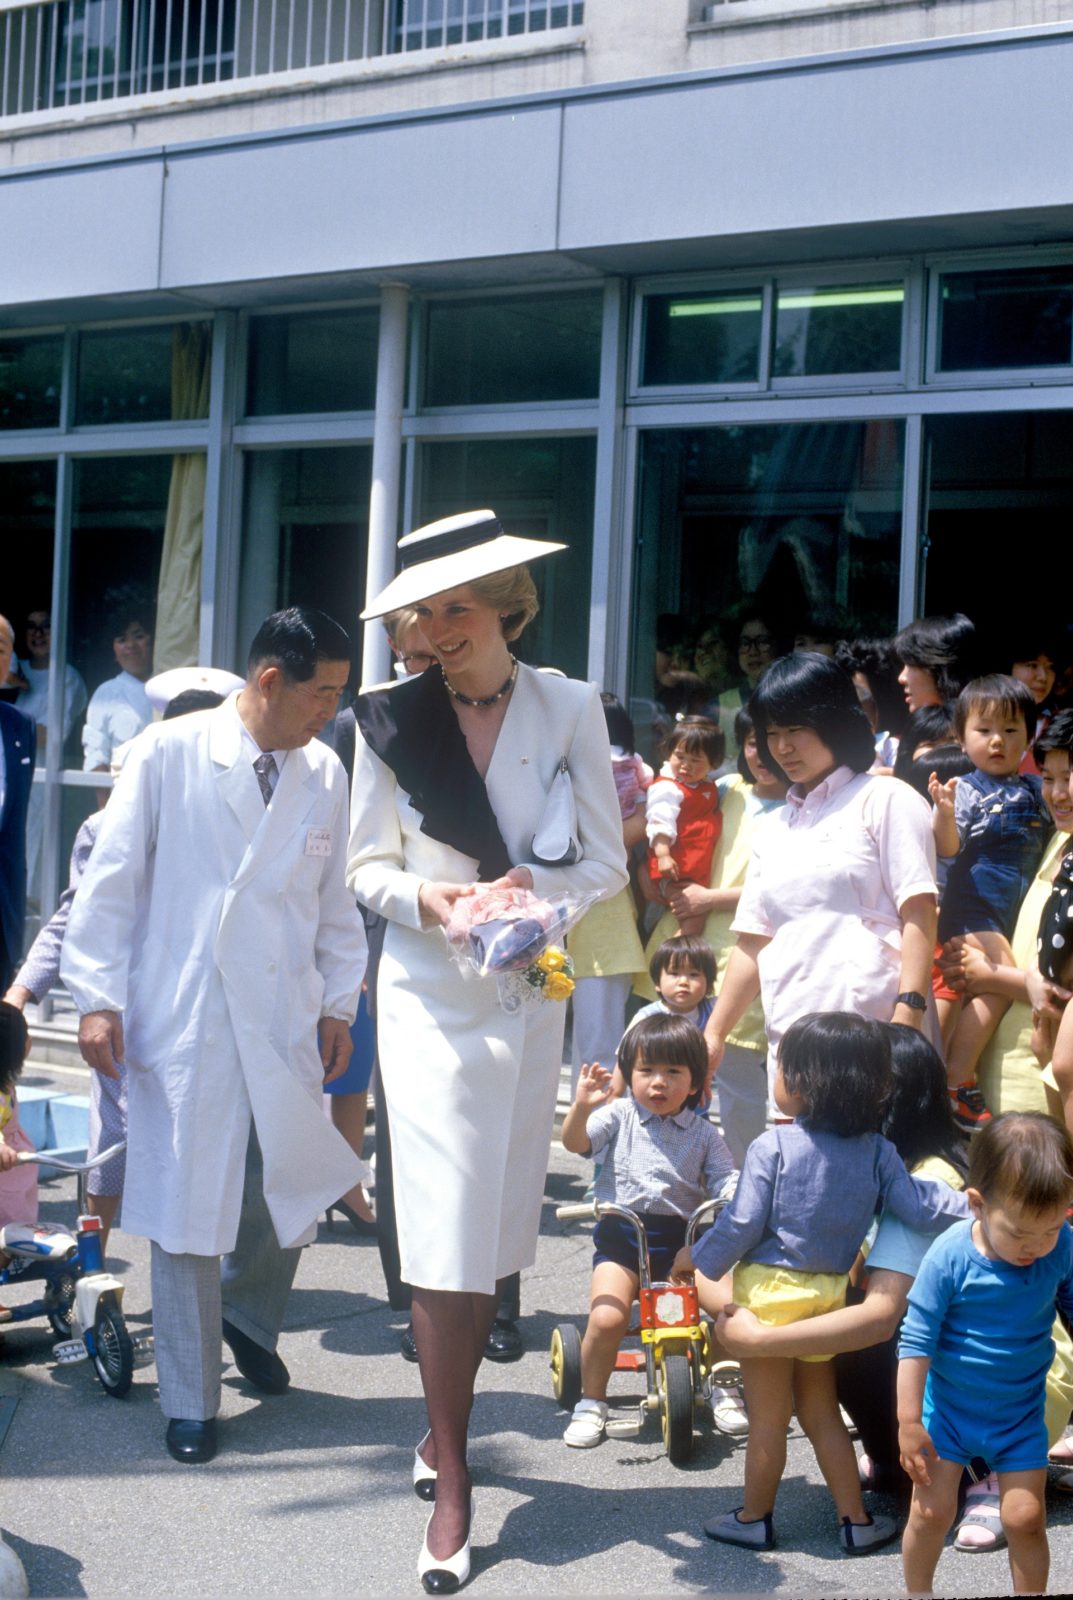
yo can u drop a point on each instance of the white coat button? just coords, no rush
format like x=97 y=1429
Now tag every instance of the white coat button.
x=271 y=966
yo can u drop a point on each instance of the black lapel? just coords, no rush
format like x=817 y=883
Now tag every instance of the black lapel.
x=414 y=731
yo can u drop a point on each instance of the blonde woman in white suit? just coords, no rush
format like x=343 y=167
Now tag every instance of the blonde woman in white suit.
x=457 y=780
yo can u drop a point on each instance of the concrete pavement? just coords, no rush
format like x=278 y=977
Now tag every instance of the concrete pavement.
x=311 y=1491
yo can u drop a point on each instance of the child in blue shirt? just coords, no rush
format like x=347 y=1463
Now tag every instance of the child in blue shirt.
x=659 y=1160
x=976 y=1346
x=992 y=826
x=806 y=1198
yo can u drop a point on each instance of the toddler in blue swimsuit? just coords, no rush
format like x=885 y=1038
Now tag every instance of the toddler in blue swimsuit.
x=976 y=1345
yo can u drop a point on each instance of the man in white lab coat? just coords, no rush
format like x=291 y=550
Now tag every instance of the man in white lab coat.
x=215 y=950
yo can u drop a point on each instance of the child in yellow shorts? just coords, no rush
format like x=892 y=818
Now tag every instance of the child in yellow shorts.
x=806 y=1198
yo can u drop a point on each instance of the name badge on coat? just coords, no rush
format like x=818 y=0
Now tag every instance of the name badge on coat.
x=318 y=842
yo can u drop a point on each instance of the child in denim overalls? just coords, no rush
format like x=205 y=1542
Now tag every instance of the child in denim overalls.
x=995 y=827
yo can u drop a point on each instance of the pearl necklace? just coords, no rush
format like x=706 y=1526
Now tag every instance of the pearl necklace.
x=490 y=700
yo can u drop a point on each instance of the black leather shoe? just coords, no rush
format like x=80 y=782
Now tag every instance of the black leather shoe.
x=504 y=1341
x=408 y=1344
x=263 y=1368
x=191 y=1441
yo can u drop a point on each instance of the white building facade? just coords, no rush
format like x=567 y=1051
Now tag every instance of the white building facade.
x=754 y=298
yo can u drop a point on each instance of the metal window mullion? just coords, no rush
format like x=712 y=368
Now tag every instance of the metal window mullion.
x=184 y=43
x=166 y=64
x=150 y=45
x=57 y=671
x=272 y=39
x=70 y=52
x=37 y=57
x=309 y=33
x=327 y=32
x=24 y=22
x=914 y=529
x=254 y=38
x=53 y=51
x=216 y=591
x=118 y=53
x=100 y=50
x=85 y=50
x=201 y=41
x=7 y=58
x=234 y=42
x=605 y=597
x=290 y=33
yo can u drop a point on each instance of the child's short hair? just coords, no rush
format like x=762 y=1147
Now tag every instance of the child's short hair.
x=666 y=1041
x=1024 y=1156
x=743 y=727
x=997 y=692
x=619 y=723
x=840 y=1065
x=684 y=950
x=14 y=1038
x=946 y=761
x=698 y=736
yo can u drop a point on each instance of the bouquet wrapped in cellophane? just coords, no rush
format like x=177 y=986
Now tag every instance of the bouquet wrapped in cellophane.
x=517 y=937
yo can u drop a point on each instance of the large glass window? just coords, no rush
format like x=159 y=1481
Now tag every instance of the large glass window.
x=305 y=535
x=999 y=494
x=324 y=361
x=845 y=328
x=30 y=381
x=1015 y=318
x=703 y=337
x=749 y=538
x=499 y=352
x=143 y=374
x=541 y=489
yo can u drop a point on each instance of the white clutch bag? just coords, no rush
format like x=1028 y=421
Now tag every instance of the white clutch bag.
x=556 y=842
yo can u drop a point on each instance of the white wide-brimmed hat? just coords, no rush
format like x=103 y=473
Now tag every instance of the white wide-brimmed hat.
x=178 y=680
x=453 y=551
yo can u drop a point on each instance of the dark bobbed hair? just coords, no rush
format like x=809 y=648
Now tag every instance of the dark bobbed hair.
x=808 y=690
x=619 y=723
x=875 y=659
x=929 y=725
x=1028 y=641
x=1057 y=735
x=295 y=640
x=947 y=647
x=665 y=1041
x=191 y=700
x=743 y=727
x=698 y=736
x=946 y=761
x=839 y=1063
x=14 y=1036
x=124 y=608
x=996 y=692
x=918 y=1119
x=1024 y=1156
x=684 y=950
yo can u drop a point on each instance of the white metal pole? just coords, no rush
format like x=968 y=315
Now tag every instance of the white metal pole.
x=387 y=460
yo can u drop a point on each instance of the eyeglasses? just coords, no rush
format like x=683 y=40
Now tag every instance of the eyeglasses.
x=416 y=660
x=756 y=641
x=39 y=627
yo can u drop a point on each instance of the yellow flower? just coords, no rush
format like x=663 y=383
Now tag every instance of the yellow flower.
x=553 y=960
x=557 y=986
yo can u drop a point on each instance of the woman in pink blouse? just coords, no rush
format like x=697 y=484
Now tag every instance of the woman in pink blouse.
x=838 y=912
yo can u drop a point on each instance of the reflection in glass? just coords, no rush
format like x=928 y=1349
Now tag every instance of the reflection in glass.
x=30 y=381
x=498 y=352
x=702 y=338
x=117 y=536
x=132 y=375
x=540 y=489
x=1000 y=486
x=1006 y=319
x=325 y=361
x=847 y=328
x=305 y=535
x=766 y=530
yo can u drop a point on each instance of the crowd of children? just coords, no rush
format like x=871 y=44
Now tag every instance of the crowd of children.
x=797 y=1214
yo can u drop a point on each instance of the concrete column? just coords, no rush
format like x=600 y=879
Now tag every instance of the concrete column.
x=387 y=460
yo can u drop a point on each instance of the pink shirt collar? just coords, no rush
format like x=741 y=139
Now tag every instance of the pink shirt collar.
x=807 y=805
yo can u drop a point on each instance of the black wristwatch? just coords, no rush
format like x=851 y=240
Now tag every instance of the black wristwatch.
x=913 y=999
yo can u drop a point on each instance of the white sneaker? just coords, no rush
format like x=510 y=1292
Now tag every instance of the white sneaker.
x=728 y=1410
x=588 y=1424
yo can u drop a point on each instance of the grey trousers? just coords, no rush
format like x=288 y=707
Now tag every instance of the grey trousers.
x=193 y=1294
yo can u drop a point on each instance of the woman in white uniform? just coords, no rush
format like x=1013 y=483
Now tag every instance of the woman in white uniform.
x=458 y=779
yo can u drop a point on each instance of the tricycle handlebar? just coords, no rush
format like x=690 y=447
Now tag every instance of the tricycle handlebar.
x=52 y=1158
